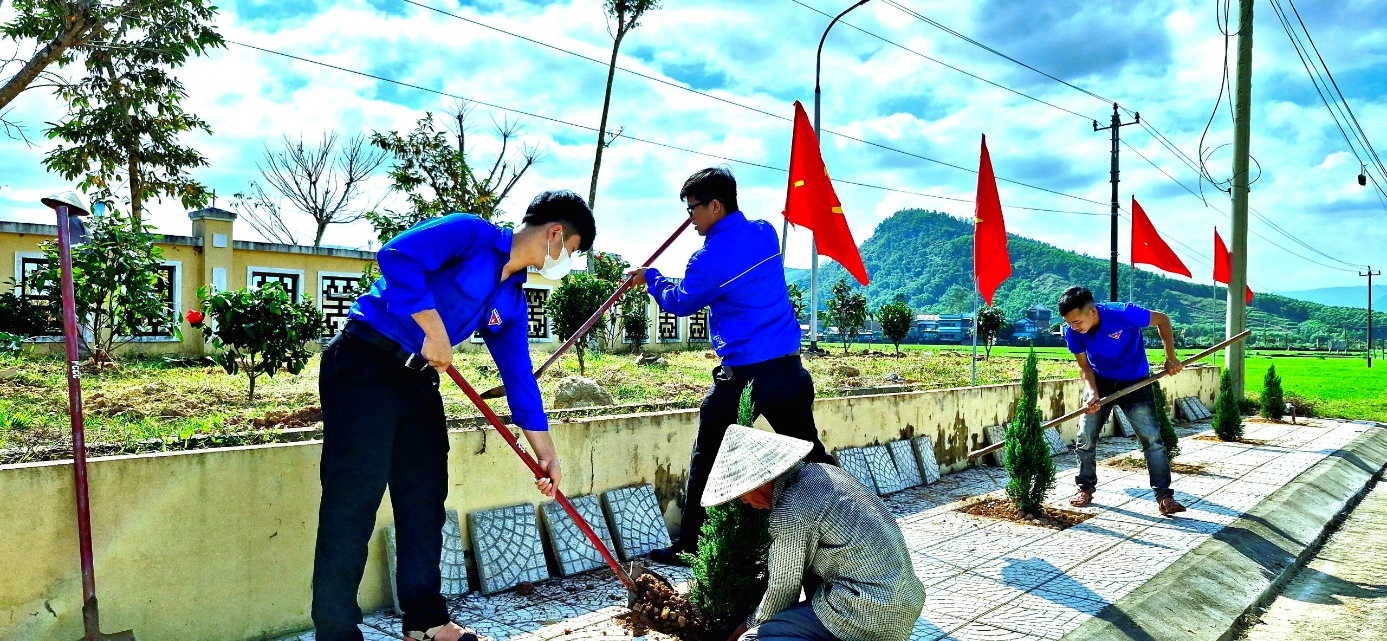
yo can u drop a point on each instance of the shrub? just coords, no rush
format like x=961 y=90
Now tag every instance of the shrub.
x=1228 y=421
x=1027 y=455
x=895 y=319
x=1273 y=400
x=1249 y=406
x=21 y=317
x=729 y=570
x=573 y=302
x=1169 y=438
x=259 y=331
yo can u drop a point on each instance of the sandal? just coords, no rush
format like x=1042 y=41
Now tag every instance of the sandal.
x=1082 y=498
x=468 y=634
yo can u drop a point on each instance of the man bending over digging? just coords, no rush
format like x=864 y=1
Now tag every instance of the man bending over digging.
x=1106 y=340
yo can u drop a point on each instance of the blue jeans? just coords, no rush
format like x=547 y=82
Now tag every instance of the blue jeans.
x=795 y=622
x=1140 y=409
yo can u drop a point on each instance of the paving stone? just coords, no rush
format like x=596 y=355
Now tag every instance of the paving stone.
x=883 y=469
x=572 y=549
x=854 y=461
x=980 y=632
x=907 y=468
x=452 y=566
x=1121 y=424
x=1056 y=442
x=637 y=524
x=507 y=547
x=997 y=434
x=924 y=455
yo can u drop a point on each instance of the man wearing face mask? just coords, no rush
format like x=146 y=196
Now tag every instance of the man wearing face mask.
x=739 y=276
x=383 y=423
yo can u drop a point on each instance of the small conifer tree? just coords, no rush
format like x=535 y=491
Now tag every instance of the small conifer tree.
x=1228 y=421
x=1169 y=438
x=1273 y=399
x=729 y=570
x=1027 y=455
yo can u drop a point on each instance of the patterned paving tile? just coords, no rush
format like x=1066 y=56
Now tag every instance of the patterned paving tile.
x=507 y=547
x=1056 y=442
x=636 y=521
x=968 y=596
x=924 y=455
x=572 y=549
x=883 y=469
x=907 y=468
x=854 y=461
x=980 y=632
x=997 y=434
x=933 y=627
x=452 y=566
x=1122 y=425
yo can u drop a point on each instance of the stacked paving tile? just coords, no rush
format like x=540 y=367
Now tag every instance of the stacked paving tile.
x=637 y=525
x=506 y=544
x=1193 y=409
x=452 y=567
x=573 y=551
x=854 y=461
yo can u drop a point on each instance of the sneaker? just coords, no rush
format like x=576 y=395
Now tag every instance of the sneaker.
x=1168 y=505
x=668 y=556
x=448 y=630
x=1082 y=498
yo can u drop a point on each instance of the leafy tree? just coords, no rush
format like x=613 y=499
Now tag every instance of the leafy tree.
x=729 y=570
x=1273 y=399
x=116 y=285
x=125 y=118
x=847 y=309
x=797 y=301
x=635 y=317
x=895 y=322
x=1027 y=454
x=1169 y=437
x=437 y=178
x=259 y=331
x=956 y=300
x=573 y=302
x=321 y=181
x=622 y=17
x=990 y=323
x=1228 y=420
x=23 y=318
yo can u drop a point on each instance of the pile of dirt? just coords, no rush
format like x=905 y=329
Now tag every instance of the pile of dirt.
x=287 y=419
x=660 y=607
x=1005 y=509
x=1136 y=464
x=1244 y=441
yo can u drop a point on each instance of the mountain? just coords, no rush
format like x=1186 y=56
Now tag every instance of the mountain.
x=1340 y=296
x=926 y=257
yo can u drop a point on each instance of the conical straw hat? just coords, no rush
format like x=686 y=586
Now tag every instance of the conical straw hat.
x=747 y=459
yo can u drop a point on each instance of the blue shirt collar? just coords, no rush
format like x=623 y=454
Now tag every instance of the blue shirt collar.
x=727 y=221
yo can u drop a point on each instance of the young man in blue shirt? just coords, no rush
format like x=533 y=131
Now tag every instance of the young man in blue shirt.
x=1106 y=340
x=739 y=276
x=383 y=423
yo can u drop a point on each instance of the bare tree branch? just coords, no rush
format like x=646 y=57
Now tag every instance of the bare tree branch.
x=322 y=181
x=263 y=214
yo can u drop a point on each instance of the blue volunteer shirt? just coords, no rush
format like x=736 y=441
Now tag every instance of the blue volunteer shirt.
x=453 y=264
x=738 y=274
x=1114 y=346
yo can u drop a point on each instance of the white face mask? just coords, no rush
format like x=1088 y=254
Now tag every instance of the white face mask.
x=556 y=268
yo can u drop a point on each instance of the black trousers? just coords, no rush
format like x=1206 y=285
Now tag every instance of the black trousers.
x=383 y=425
x=781 y=390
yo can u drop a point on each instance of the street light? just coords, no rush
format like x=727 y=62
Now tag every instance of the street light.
x=70 y=207
x=785 y=228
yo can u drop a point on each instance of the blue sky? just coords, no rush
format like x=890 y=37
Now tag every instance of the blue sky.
x=1161 y=58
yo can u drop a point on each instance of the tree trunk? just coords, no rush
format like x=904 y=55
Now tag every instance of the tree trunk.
x=136 y=207
x=41 y=59
x=318 y=237
x=602 y=128
x=579 y=349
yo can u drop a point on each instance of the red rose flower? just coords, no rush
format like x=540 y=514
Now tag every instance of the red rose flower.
x=194 y=317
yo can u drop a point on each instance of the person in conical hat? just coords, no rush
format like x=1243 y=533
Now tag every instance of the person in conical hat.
x=831 y=537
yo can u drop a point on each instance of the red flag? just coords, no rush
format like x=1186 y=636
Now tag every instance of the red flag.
x=811 y=202
x=1223 y=263
x=1148 y=248
x=991 y=265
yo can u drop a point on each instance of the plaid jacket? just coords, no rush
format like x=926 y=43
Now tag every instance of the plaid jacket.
x=835 y=539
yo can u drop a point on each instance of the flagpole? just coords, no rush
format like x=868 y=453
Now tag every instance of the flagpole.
x=975 y=330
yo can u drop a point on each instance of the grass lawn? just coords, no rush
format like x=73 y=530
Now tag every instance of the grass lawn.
x=1341 y=386
x=140 y=400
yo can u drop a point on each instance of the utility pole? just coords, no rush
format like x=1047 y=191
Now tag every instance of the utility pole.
x=1370 y=275
x=1237 y=281
x=1116 y=124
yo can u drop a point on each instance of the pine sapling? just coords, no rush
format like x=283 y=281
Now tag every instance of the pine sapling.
x=1273 y=399
x=1027 y=455
x=1169 y=438
x=1228 y=421
x=729 y=570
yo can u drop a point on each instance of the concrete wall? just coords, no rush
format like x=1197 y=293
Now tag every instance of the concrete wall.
x=218 y=544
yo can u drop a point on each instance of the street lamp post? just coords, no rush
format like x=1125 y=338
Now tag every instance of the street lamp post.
x=785 y=227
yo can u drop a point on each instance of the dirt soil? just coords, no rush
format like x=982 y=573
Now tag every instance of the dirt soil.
x=1244 y=441
x=1134 y=463
x=1005 y=509
x=660 y=607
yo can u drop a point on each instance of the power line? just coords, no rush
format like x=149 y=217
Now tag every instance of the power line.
x=628 y=136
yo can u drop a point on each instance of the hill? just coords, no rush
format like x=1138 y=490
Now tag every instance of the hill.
x=1356 y=297
x=926 y=257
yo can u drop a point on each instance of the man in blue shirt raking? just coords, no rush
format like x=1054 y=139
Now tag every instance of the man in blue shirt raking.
x=739 y=276
x=1106 y=340
x=383 y=424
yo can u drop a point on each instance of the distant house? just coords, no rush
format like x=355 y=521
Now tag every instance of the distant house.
x=944 y=328
x=1034 y=327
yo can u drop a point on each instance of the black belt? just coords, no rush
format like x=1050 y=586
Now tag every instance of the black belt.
x=380 y=341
